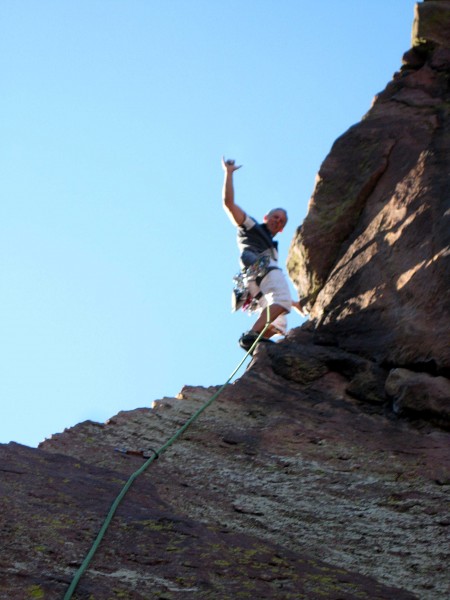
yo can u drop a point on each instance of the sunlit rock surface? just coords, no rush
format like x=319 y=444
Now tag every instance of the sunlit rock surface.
x=372 y=258
x=324 y=471
x=280 y=489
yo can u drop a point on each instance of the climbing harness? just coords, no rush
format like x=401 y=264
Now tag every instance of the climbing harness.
x=154 y=455
x=241 y=296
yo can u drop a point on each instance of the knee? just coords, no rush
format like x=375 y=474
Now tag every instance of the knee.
x=284 y=305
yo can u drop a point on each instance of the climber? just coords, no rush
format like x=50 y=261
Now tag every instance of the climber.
x=264 y=280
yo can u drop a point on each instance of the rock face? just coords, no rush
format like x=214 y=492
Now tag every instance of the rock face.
x=281 y=489
x=372 y=258
x=323 y=472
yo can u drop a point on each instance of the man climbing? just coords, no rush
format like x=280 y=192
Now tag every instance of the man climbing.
x=256 y=246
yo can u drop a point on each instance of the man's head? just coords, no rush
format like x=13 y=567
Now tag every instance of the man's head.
x=276 y=220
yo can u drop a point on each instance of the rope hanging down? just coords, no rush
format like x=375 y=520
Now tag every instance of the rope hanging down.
x=157 y=453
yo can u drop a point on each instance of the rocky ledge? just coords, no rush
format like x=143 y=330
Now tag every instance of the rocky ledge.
x=287 y=486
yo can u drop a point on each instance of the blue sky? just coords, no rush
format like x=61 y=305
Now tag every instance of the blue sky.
x=117 y=258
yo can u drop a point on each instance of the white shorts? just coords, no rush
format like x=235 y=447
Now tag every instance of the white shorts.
x=275 y=290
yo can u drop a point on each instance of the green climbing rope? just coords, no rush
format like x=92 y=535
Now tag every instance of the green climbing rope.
x=147 y=463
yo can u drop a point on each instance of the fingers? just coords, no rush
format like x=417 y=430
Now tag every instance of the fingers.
x=299 y=308
x=230 y=163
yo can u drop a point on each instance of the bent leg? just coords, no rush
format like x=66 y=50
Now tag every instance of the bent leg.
x=277 y=296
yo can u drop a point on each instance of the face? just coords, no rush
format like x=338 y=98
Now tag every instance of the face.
x=275 y=221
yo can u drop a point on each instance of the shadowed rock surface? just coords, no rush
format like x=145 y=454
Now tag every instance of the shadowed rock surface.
x=324 y=471
x=372 y=258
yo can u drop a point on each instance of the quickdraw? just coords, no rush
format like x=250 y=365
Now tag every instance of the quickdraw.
x=241 y=297
x=144 y=453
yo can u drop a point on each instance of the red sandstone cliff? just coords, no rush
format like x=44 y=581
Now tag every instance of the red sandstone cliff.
x=372 y=258
x=324 y=471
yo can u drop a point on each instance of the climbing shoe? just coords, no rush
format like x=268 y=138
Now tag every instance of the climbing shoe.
x=247 y=340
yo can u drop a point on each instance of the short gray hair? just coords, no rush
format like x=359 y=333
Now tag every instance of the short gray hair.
x=275 y=209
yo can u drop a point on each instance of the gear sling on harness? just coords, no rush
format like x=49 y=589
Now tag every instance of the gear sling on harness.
x=241 y=296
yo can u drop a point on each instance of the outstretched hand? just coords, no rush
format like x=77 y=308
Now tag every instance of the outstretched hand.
x=299 y=308
x=230 y=165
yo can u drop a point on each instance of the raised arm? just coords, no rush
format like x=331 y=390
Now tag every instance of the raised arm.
x=235 y=212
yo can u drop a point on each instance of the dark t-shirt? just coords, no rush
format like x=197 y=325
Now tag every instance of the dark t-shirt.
x=253 y=239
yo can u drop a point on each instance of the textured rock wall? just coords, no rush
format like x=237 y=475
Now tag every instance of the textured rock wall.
x=372 y=258
x=280 y=489
x=323 y=472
